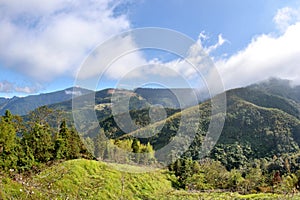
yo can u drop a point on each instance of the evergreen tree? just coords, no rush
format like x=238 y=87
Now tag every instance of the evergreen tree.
x=40 y=141
x=61 y=145
x=25 y=156
x=8 y=142
x=75 y=145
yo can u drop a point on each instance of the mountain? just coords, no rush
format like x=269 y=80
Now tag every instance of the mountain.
x=262 y=98
x=138 y=99
x=279 y=87
x=3 y=100
x=23 y=105
x=261 y=136
x=261 y=121
x=259 y=124
x=142 y=97
x=172 y=98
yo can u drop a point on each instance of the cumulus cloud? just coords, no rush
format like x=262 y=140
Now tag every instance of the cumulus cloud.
x=265 y=56
x=10 y=87
x=47 y=39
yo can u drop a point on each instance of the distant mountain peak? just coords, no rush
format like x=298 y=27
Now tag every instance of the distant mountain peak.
x=23 y=105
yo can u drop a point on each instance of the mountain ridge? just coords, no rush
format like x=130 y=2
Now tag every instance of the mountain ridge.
x=23 y=105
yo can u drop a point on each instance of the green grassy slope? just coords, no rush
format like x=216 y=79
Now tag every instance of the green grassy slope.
x=85 y=179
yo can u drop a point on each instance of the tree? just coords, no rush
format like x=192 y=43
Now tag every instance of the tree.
x=8 y=142
x=253 y=178
x=235 y=180
x=40 y=141
x=26 y=158
x=289 y=183
x=135 y=146
x=136 y=150
x=100 y=145
x=147 y=154
x=61 y=144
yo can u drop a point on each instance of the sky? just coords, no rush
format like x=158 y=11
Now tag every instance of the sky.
x=45 y=44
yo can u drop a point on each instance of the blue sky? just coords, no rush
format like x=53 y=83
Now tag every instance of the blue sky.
x=42 y=44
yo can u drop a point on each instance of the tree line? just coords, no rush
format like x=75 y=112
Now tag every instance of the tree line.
x=28 y=146
x=45 y=137
x=257 y=176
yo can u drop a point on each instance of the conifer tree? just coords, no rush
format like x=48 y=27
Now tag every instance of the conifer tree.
x=40 y=141
x=8 y=142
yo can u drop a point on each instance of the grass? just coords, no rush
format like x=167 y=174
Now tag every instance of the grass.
x=85 y=179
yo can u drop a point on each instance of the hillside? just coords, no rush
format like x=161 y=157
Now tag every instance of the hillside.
x=265 y=99
x=77 y=179
x=279 y=87
x=266 y=131
x=259 y=131
x=84 y=179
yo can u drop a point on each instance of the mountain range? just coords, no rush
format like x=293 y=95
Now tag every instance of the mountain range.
x=262 y=120
x=23 y=105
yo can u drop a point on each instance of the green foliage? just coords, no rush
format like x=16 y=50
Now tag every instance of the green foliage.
x=289 y=183
x=100 y=145
x=61 y=143
x=235 y=180
x=84 y=179
x=124 y=151
x=40 y=142
x=8 y=143
x=233 y=156
x=36 y=143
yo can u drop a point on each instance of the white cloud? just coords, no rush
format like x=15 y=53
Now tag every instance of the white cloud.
x=197 y=59
x=103 y=60
x=132 y=64
x=266 y=56
x=285 y=17
x=10 y=87
x=74 y=93
x=47 y=39
x=220 y=42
